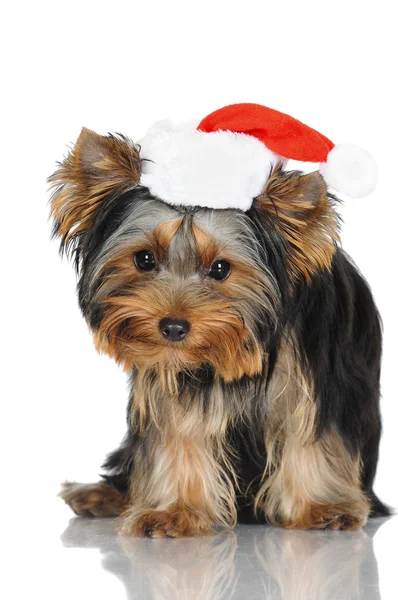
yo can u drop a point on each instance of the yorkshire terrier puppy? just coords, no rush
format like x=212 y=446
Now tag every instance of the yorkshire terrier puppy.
x=252 y=342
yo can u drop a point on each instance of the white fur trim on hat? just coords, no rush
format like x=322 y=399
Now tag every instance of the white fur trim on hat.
x=350 y=170
x=221 y=169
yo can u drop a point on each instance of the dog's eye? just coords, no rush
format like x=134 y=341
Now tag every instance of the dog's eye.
x=219 y=270
x=145 y=260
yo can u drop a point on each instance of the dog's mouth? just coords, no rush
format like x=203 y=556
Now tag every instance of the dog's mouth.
x=174 y=338
x=186 y=351
x=139 y=335
x=225 y=347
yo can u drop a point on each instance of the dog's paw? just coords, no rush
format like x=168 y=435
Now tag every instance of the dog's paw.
x=330 y=517
x=165 y=524
x=342 y=522
x=93 y=499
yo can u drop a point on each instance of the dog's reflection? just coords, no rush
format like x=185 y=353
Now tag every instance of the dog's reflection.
x=313 y=565
x=184 y=568
x=252 y=561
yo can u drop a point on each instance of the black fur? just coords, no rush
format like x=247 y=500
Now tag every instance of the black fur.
x=338 y=329
x=333 y=318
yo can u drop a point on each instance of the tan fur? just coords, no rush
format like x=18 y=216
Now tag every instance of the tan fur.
x=184 y=494
x=163 y=235
x=208 y=248
x=218 y=334
x=244 y=275
x=305 y=216
x=309 y=482
x=189 y=486
x=96 y=167
x=215 y=325
x=94 y=499
x=184 y=481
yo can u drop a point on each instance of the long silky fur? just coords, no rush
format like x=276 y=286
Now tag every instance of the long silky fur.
x=279 y=375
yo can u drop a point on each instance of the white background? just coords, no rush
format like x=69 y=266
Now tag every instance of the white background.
x=119 y=66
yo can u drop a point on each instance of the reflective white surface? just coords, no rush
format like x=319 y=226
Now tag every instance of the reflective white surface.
x=89 y=560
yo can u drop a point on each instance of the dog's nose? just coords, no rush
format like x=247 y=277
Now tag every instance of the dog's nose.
x=174 y=330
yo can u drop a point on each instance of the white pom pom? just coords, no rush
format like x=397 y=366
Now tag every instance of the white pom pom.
x=350 y=170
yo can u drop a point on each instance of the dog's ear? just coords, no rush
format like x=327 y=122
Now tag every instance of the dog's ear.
x=95 y=168
x=302 y=211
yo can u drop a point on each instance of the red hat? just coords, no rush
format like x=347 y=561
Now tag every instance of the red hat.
x=226 y=160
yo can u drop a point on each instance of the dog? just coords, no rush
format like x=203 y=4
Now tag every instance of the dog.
x=252 y=342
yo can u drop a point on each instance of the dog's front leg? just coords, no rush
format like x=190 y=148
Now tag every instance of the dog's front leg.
x=312 y=481
x=317 y=486
x=178 y=488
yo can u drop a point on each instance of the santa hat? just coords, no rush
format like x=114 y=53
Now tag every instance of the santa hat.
x=224 y=161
